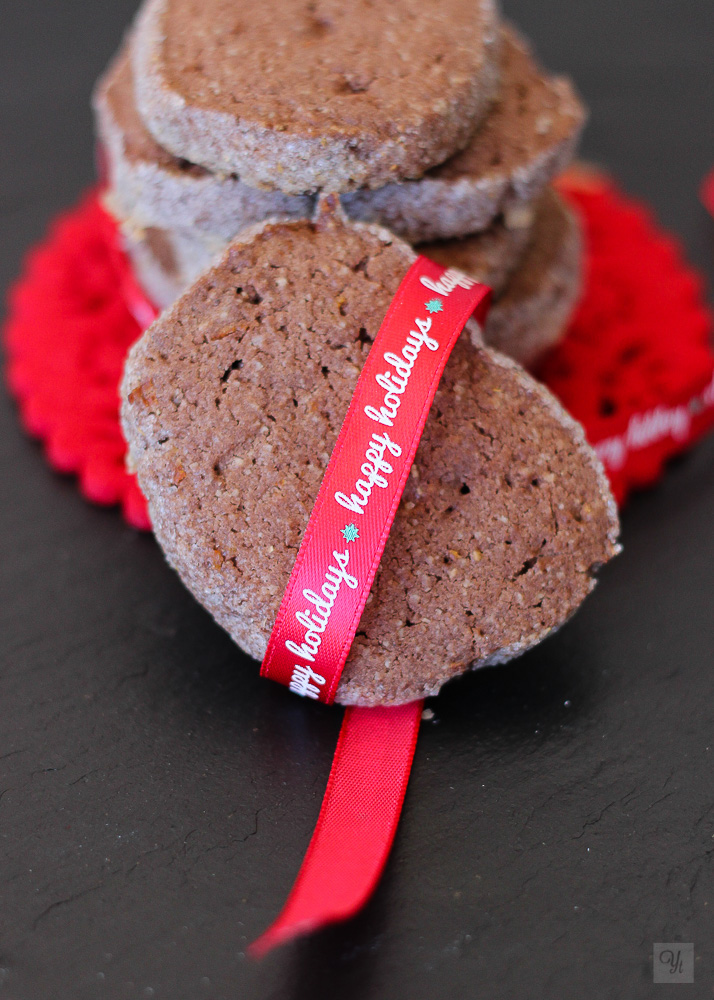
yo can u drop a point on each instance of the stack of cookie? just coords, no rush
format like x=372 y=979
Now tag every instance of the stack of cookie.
x=370 y=129
x=431 y=120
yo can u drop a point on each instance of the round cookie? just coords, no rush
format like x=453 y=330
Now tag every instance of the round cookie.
x=232 y=402
x=528 y=135
x=533 y=311
x=320 y=95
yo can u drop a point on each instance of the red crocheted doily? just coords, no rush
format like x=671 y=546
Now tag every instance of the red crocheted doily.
x=636 y=367
x=66 y=337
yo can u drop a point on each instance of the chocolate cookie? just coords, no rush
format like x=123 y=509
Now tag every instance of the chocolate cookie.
x=532 y=313
x=528 y=137
x=232 y=402
x=321 y=95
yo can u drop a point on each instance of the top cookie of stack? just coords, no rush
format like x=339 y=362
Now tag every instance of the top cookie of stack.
x=319 y=95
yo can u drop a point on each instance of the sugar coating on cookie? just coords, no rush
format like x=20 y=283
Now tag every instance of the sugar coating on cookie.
x=232 y=402
x=304 y=96
x=151 y=187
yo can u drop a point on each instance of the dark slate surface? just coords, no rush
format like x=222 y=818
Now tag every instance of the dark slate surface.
x=156 y=797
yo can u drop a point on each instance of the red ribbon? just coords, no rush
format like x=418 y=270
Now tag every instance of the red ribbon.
x=365 y=478
x=357 y=822
x=330 y=583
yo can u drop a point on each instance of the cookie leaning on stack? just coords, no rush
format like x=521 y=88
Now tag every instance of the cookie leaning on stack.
x=232 y=402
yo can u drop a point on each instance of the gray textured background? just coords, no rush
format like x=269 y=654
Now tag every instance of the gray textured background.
x=156 y=797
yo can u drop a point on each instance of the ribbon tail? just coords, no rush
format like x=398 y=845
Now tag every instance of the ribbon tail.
x=357 y=822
